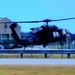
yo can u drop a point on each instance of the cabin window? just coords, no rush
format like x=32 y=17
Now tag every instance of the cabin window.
x=64 y=32
x=56 y=34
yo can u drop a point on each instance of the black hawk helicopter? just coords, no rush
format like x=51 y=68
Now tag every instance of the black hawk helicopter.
x=44 y=34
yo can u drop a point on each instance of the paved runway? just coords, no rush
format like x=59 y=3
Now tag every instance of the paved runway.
x=37 y=61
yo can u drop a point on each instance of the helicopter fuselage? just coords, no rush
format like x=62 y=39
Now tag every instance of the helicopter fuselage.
x=41 y=35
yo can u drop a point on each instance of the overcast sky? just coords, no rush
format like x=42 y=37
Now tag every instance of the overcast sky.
x=23 y=10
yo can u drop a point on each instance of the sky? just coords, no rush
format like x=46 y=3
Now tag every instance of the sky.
x=31 y=10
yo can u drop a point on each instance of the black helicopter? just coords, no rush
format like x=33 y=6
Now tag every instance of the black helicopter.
x=44 y=34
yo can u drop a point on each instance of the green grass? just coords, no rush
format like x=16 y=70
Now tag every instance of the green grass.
x=36 y=70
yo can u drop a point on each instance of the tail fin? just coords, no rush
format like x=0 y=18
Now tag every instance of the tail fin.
x=23 y=42
x=14 y=33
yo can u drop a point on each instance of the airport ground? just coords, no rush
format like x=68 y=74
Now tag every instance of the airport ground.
x=37 y=55
x=36 y=70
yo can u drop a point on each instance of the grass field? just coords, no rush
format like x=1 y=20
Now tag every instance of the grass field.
x=36 y=70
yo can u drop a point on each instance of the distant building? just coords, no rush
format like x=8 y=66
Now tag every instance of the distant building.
x=5 y=31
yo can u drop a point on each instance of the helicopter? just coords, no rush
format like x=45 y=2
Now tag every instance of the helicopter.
x=42 y=35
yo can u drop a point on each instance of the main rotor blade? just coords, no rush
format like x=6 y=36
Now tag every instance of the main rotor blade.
x=64 y=19
x=23 y=22
x=46 y=20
